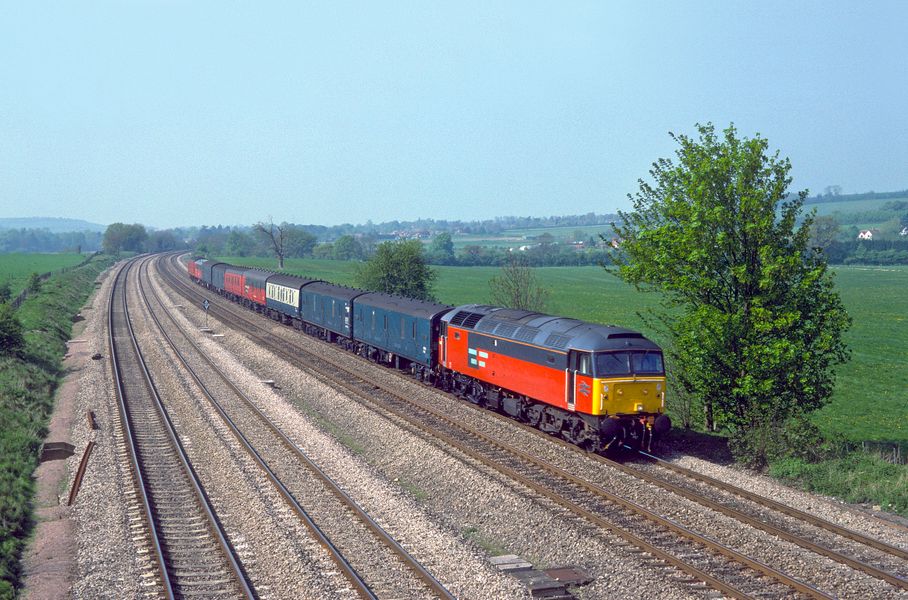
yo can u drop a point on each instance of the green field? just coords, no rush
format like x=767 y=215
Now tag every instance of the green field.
x=511 y=238
x=871 y=399
x=16 y=268
x=849 y=206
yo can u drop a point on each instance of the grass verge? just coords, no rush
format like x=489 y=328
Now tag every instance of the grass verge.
x=857 y=477
x=27 y=385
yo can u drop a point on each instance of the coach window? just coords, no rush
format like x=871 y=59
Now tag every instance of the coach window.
x=402 y=328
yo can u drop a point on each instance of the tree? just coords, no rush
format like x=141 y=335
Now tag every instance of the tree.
x=754 y=320
x=6 y=292
x=298 y=242
x=441 y=250
x=833 y=190
x=518 y=287
x=823 y=232
x=238 y=244
x=347 y=248
x=161 y=241
x=121 y=237
x=11 y=338
x=275 y=236
x=398 y=268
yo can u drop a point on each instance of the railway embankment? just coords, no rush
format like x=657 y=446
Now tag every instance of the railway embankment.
x=30 y=376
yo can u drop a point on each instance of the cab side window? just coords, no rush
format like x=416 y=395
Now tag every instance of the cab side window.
x=584 y=364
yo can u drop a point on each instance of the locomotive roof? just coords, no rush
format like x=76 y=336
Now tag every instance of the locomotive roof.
x=291 y=281
x=417 y=308
x=547 y=331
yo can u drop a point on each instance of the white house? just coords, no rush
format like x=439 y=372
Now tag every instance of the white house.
x=904 y=231
x=865 y=234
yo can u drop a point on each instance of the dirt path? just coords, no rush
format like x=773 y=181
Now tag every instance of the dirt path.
x=49 y=560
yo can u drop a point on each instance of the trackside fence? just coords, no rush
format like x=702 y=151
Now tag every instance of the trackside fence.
x=18 y=300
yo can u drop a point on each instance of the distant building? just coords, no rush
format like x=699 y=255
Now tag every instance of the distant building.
x=865 y=234
x=904 y=231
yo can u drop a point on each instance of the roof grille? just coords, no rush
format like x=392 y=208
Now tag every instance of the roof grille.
x=472 y=319
x=557 y=340
x=526 y=334
x=506 y=330
x=487 y=326
x=459 y=317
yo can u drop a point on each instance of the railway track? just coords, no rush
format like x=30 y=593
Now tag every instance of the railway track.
x=733 y=574
x=190 y=548
x=883 y=561
x=372 y=560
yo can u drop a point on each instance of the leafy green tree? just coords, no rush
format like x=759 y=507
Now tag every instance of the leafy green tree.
x=441 y=250
x=398 y=268
x=161 y=241
x=517 y=286
x=298 y=242
x=754 y=318
x=6 y=292
x=11 y=338
x=119 y=237
x=347 y=247
x=823 y=232
x=325 y=251
x=239 y=244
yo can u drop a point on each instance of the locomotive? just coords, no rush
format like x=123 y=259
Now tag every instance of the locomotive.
x=597 y=386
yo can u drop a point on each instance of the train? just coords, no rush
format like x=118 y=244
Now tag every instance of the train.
x=596 y=386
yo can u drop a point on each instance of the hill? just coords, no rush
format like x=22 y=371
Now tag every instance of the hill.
x=52 y=224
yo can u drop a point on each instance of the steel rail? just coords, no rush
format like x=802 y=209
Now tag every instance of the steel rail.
x=141 y=486
x=729 y=553
x=746 y=494
x=427 y=578
x=213 y=524
x=783 y=508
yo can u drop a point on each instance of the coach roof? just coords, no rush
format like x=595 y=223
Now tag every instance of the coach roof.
x=290 y=281
x=408 y=306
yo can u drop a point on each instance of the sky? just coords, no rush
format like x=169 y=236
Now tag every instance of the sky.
x=171 y=113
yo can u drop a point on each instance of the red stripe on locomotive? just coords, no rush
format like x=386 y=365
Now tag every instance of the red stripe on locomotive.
x=540 y=382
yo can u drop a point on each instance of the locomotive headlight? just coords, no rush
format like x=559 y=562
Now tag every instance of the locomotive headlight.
x=605 y=389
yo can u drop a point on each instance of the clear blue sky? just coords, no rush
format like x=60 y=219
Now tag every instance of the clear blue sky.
x=176 y=113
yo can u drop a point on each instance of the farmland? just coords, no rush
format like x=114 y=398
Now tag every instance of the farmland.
x=16 y=268
x=511 y=238
x=870 y=402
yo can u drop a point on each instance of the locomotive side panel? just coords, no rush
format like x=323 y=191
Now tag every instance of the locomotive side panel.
x=535 y=372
